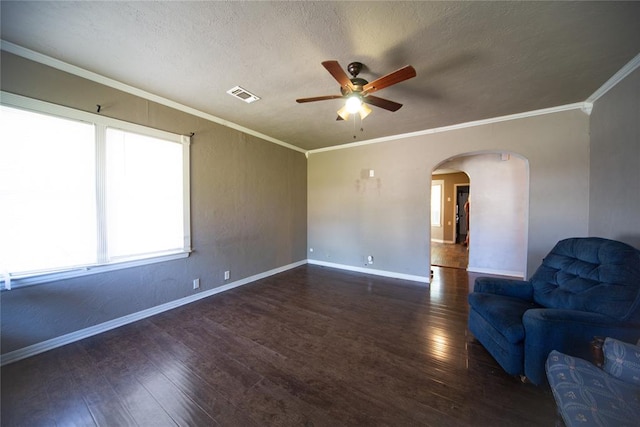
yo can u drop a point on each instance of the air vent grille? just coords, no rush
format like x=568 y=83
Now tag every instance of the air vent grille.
x=243 y=94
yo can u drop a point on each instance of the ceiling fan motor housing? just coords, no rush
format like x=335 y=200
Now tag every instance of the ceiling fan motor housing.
x=357 y=83
x=354 y=68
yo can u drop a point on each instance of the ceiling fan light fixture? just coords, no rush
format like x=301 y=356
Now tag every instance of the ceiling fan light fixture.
x=364 y=111
x=344 y=113
x=353 y=104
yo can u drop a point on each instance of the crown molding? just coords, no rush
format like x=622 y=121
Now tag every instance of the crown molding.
x=615 y=79
x=577 y=106
x=89 y=75
x=585 y=106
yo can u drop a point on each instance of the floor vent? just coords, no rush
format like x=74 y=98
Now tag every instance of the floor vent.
x=243 y=95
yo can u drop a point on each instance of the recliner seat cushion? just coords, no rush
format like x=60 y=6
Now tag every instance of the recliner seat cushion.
x=502 y=312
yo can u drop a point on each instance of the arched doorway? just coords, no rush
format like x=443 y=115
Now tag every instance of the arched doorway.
x=499 y=187
x=450 y=191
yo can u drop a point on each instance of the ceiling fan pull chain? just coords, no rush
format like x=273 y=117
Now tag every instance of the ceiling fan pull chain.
x=354 y=126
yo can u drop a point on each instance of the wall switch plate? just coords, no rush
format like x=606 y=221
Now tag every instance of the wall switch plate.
x=226 y=275
x=196 y=283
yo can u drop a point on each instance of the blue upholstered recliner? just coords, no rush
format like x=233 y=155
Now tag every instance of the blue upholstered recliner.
x=585 y=287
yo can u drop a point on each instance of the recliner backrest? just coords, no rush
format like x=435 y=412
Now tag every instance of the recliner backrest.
x=590 y=274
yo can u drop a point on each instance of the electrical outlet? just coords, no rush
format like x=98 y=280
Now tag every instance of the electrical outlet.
x=226 y=275
x=196 y=283
x=370 y=259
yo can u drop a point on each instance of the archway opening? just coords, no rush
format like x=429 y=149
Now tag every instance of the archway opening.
x=450 y=189
x=498 y=219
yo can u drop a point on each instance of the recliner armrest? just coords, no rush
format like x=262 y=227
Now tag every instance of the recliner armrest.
x=507 y=287
x=567 y=331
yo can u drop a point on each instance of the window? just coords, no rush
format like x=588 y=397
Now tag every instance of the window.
x=83 y=193
x=436 y=203
x=143 y=198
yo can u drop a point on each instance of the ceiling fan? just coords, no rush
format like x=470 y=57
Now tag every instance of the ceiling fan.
x=357 y=91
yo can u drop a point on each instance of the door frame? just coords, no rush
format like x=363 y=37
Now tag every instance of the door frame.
x=455 y=203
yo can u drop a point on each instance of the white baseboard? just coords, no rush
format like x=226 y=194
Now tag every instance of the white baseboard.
x=367 y=270
x=52 y=343
x=519 y=274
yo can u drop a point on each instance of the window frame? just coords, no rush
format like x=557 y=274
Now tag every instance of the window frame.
x=439 y=183
x=101 y=124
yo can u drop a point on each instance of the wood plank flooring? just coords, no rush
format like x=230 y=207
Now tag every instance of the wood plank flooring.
x=312 y=346
x=449 y=255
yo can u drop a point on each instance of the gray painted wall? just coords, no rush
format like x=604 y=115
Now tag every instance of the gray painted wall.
x=248 y=214
x=614 y=211
x=388 y=216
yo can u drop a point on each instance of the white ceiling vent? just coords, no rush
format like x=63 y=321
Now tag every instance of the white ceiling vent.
x=243 y=94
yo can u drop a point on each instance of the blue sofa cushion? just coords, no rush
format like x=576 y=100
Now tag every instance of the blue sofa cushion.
x=502 y=312
x=622 y=360
x=588 y=396
x=589 y=274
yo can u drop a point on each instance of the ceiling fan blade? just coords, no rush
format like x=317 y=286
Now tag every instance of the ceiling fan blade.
x=382 y=103
x=397 y=76
x=318 y=98
x=334 y=68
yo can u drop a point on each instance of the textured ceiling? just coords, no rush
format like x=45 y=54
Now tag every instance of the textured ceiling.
x=474 y=60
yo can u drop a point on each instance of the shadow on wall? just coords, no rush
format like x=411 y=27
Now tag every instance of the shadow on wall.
x=499 y=219
x=631 y=239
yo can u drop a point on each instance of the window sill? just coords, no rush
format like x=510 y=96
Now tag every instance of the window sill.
x=86 y=271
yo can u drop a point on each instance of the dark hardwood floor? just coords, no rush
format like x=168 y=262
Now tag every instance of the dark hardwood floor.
x=312 y=346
